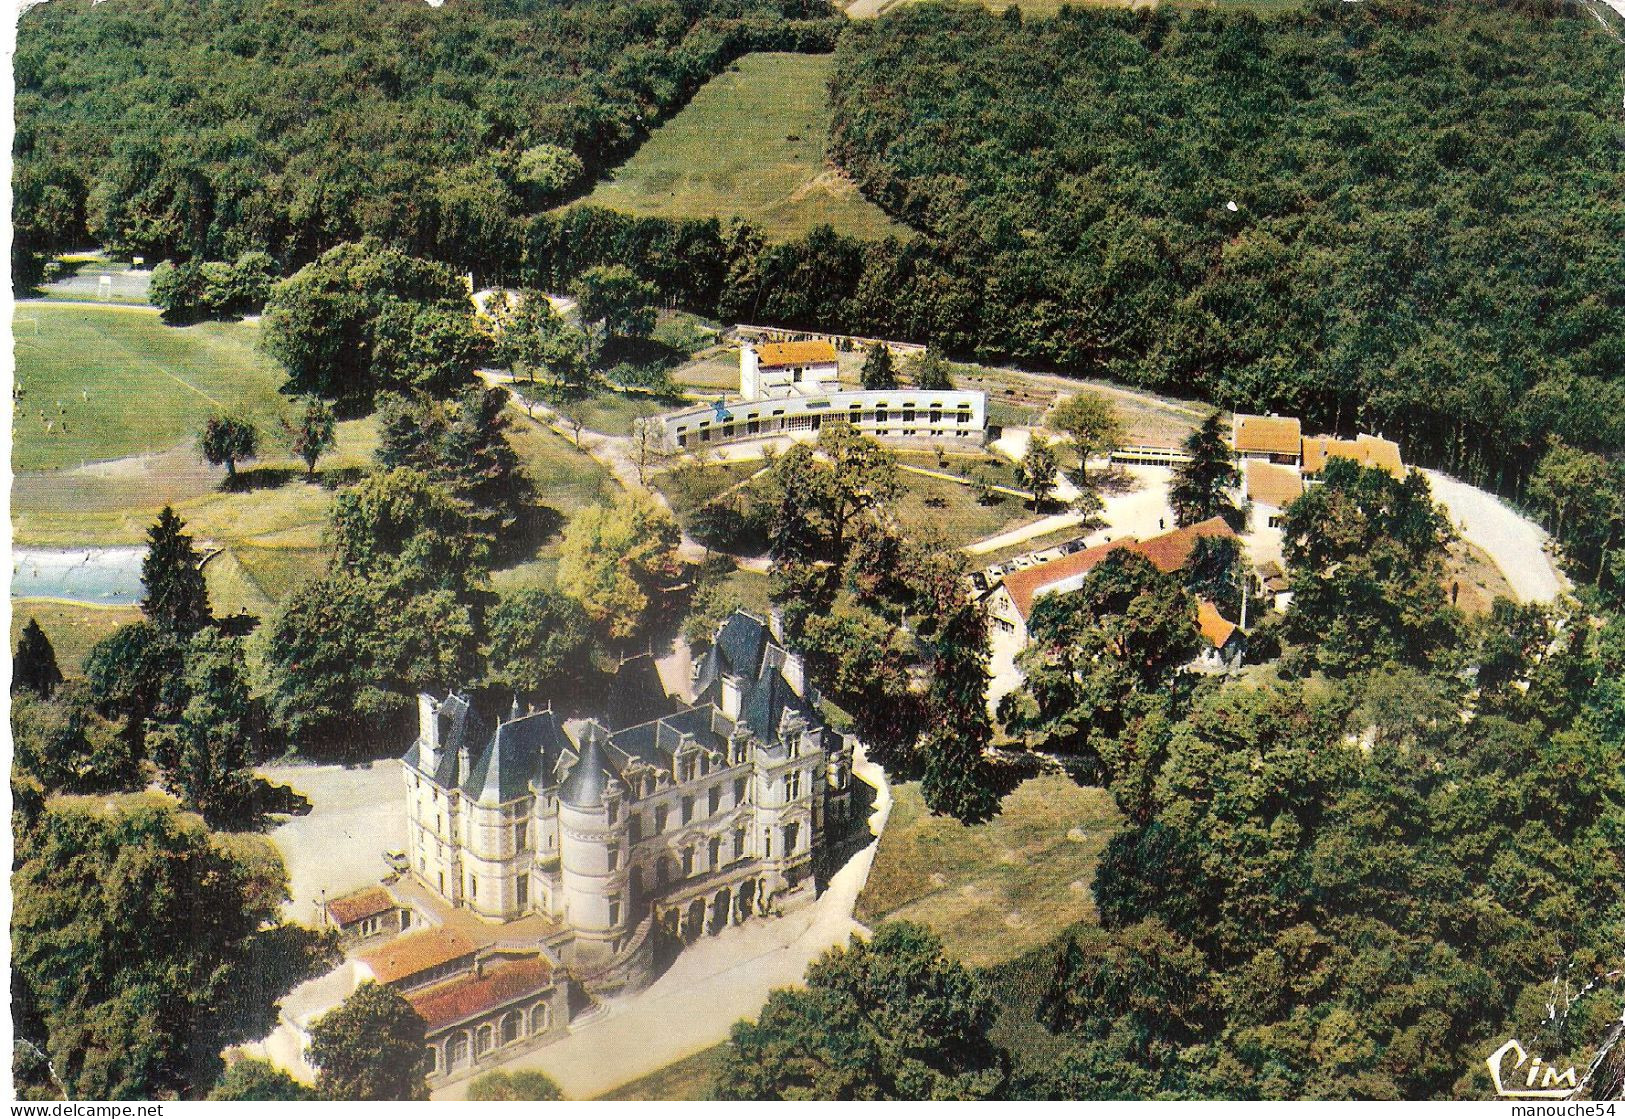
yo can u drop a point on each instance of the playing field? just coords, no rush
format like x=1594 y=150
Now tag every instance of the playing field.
x=105 y=382
x=750 y=144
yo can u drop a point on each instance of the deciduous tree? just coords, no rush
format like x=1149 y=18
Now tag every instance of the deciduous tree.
x=370 y=1048
x=888 y=1018
x=227 y=439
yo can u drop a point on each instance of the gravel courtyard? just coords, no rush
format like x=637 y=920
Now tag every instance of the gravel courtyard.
x=356 y=815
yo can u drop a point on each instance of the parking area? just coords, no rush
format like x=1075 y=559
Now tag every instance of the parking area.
x=357 y=814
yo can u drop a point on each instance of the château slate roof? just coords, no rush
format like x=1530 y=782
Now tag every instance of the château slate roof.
x=521 y=750
x=511 y=757
x=636 y=694
x=584 y=787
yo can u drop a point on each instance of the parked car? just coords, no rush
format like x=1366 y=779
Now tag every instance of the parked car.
x=1072 y=546
x=1023 y=562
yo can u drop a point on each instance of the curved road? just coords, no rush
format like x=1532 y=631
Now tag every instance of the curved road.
x=1516 y=544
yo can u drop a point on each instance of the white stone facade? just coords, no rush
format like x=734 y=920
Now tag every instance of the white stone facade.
x=697 y=818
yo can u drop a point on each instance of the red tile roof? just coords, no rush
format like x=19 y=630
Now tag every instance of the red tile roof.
x=1278 y=435
x=1169 y=552
x=776 y=354
x=1172 y=550
x=1367 y=450
x=1275 y=486
x=465 y=998
x=417 y=952
x=360 y=905
x=1024 y=586
x=1214 y=626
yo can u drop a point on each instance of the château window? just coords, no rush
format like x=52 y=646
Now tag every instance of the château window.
x=519 y=837
x=714 y=798
x=688 y=861
x=714 y=852
x=634 y=829
x=739 y=843
x=473 y=887
x=614 y=858
x=791 y=835
x=660 y=819
x=614 y=812
x=521 y=892
x=739 y=791
x=792 y=785
x=614 y=912
x=767 y=844
x=688 y=809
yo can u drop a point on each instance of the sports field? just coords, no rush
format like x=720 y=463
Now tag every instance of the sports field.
x=750 y=144
x=101 y=383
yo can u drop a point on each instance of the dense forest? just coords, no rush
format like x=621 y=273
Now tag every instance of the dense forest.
x=1399 y=216
x=1408 y=216
x=287 y=126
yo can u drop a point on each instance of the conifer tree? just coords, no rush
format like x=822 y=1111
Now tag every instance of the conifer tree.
x=177 y=598
x=35 y=668
x=1201 y=487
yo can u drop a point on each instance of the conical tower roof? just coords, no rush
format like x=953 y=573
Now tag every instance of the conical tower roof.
x=584 y=785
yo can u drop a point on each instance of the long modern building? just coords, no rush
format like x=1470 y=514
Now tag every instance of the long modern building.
x=789 y=387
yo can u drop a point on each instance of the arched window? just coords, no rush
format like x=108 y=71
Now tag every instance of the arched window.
x=541 y=1016
x=482 y=1041
x=513 y=1026
x=434 y=1058
x=458 y=1054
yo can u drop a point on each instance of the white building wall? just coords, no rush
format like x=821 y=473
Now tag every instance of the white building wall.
x=889 y=414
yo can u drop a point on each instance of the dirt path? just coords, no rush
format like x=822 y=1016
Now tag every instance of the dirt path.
x=1515 y=544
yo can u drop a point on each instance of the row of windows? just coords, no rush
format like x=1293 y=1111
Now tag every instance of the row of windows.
x=513 y=1027
x=713 y=805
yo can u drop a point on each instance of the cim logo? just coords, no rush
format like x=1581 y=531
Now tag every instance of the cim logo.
x=1542 y=1082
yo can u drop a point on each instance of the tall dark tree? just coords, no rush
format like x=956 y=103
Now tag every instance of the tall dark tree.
x=464 y=447
x=34 y=668
x=206 y=751
x=370 y=1048
x=891 y=1018
x=1101 y=657
x=1202 y=486
x=879 y=370
x=1366 y=553
x=176 y=599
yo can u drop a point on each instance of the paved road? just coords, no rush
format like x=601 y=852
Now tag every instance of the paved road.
x=1516 y=544
x=714 y=983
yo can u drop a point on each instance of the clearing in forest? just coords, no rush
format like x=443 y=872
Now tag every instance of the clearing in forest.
x=750 y=145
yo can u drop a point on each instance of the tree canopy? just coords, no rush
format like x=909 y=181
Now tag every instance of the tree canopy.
x=370 y=1048
x=889 y=1018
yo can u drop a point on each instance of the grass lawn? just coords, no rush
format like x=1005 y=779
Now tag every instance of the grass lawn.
x=690 y=486
x=126 y=383
x=750 y=144
x=614 y=413
x=691 y=1078
x=713 y=373
x=934 y=505
x=566 y=480
x=72 y=627
x=998 y=889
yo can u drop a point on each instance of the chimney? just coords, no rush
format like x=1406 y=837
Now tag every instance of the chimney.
x=429 y=731
x=731 y=696
x=775 y=623
x=749 y=372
